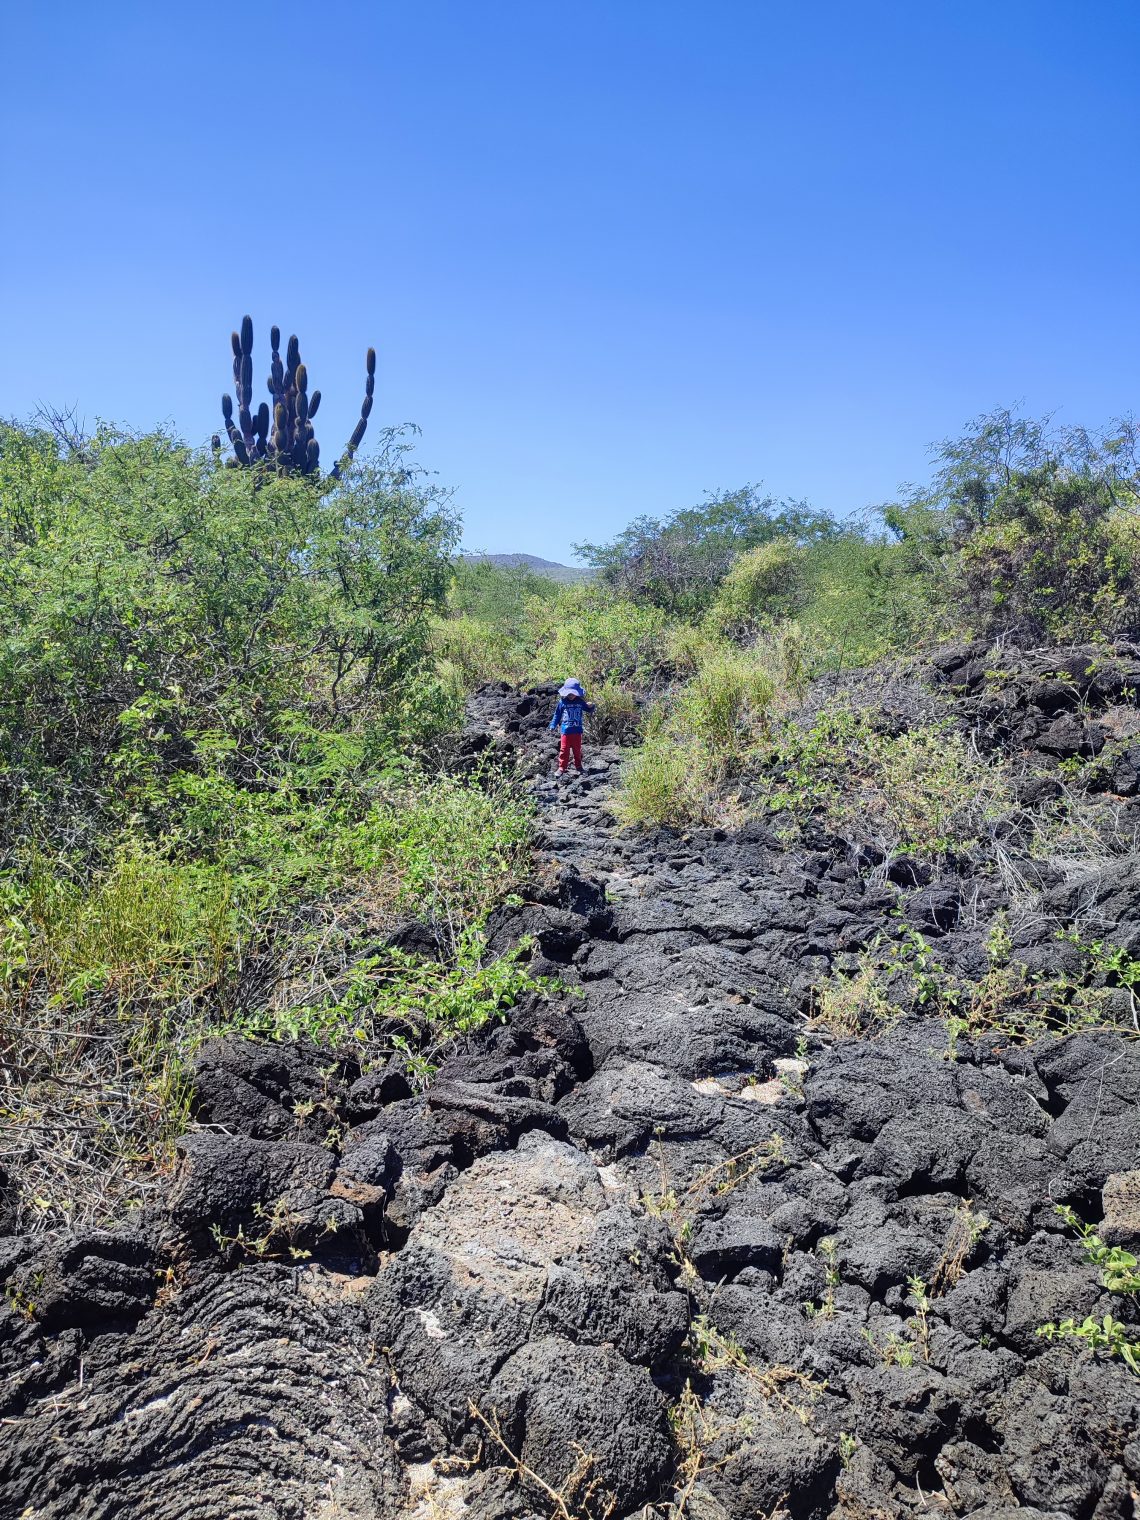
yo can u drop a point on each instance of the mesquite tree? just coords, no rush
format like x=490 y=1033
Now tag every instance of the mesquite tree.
x=283 y=433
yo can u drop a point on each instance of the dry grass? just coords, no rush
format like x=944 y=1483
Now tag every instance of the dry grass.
x=966 y=1229
x=696 y=1431
x=580 y=1495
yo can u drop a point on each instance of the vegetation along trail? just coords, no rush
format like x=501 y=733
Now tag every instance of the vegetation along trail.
x=749 y=1207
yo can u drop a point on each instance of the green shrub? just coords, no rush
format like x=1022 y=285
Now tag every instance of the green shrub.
x=1030 y=531
x=699 y=739
x=896 y=977
x=765 y=585
x=150 y=599
x=927 y=791
x=478 y=652
x=443 y=999
x=868 y=602
x=448 y=851
x=666 y=783
x=588 y=632
x=146 y=928
x=922 y=792
x=725 y=706
x=1056 y=559
x=487 y=633
x=619 y=714
x=1119 y=1275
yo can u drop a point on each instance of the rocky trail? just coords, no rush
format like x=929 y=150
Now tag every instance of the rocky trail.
x=649 y=1242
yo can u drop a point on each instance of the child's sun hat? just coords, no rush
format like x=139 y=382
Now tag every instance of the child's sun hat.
x=571 y=688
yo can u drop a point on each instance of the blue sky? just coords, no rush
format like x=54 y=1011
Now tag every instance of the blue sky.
x=612 y=255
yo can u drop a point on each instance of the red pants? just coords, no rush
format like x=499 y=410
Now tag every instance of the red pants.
x=571 y=745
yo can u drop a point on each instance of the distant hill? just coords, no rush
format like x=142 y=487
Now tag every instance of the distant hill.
x=548 y=567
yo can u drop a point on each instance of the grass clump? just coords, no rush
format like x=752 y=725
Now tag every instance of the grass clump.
x=700 y=740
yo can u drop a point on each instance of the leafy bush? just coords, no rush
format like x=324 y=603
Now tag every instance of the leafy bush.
x=146 y=929
x=864 y=601
x=487 y=634
x=152 y=602
x=588 y=632
x=765 y=584
x=496 y=594
x=1055 y=556
x=396 y=1001
x=677 y=563
x=215 y=680
x=470 y=653
x=853 y=598
x=1034 y=531
x=448 y=852
x=618 y=715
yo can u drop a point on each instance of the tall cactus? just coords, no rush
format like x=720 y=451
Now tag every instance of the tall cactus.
x=282 y=431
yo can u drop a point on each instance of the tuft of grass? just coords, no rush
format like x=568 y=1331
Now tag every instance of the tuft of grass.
x=698 y=741
x=665 y=783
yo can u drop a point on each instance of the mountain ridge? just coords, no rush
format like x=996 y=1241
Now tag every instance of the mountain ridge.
x=532 y=562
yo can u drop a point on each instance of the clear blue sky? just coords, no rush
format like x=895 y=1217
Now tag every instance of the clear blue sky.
x=613 y=253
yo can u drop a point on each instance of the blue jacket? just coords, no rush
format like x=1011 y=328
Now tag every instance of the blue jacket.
x=568 y=716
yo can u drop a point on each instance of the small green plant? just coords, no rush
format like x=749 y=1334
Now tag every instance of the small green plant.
x=711 y=1351
x=22 y=1297
x=891 y=977
x=955 y=1028
x=848 y=1445
x=900 y=975
x=1117 y=1267
x=896 y=1351
x=274 y=1237
x=920 y=1298
x=900 y=1350
x=828 y=1249
x=966 y=1230
x=999 y=942
x=1108 y=1335
x=1118 y=1273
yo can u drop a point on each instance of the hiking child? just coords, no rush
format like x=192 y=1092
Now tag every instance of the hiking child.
x=568 y=715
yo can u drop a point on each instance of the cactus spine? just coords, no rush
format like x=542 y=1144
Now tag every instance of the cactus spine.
x=281 y=430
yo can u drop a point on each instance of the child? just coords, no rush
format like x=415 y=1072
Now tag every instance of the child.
x=572 y=708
